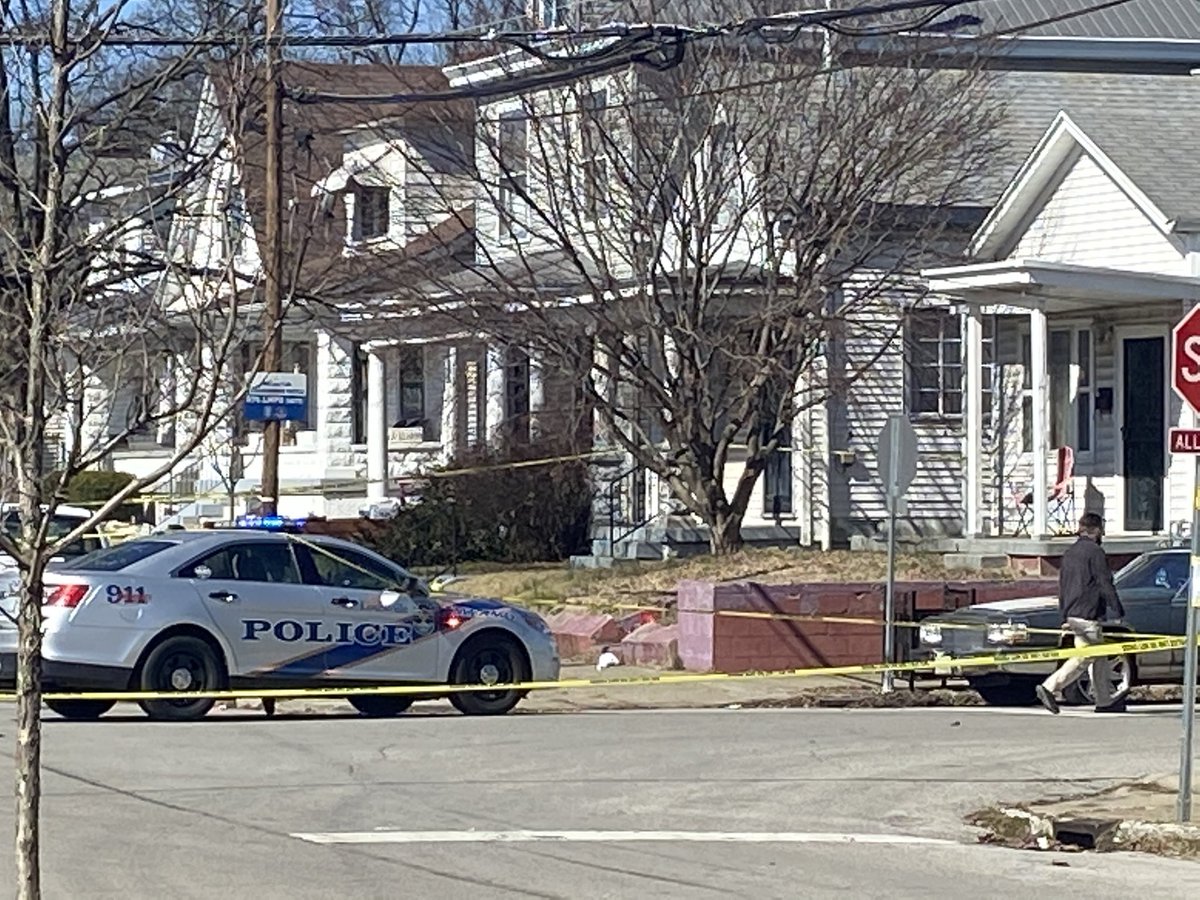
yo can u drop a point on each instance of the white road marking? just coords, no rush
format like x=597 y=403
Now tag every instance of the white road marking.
x=592 y=837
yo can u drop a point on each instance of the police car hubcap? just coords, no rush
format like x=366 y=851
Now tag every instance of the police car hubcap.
x=181 y=679
x=489 y=674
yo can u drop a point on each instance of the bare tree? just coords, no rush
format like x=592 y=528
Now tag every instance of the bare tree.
x=685 y=240
x=108 y=337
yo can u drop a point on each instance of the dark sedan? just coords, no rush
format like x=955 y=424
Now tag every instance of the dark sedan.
x=1153 y=590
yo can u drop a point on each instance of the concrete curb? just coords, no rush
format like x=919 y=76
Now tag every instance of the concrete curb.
x=1027 y=830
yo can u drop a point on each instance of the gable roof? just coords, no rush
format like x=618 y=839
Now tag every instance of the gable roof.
x=1131 y=20
x=314 y=139
x=1035 y=180
x=1146 y=124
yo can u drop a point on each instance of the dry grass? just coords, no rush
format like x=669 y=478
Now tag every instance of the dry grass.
x=644 y=580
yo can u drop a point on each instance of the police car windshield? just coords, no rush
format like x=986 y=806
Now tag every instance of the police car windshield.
x=113 y=559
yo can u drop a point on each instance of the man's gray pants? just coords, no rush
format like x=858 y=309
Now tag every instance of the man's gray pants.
x=1087 y=633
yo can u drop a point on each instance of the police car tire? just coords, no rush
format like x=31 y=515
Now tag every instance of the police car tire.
x=80 y=709
x=472 y=703
x=213 y=679
x=380 y=707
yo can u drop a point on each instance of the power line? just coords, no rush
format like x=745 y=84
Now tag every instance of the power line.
x=128 y=36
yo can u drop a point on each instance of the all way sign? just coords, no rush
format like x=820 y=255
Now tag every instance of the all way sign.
x=1185 y=440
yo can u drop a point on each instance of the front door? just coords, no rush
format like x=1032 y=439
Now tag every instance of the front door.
x=1143 y=432
x=383 y=633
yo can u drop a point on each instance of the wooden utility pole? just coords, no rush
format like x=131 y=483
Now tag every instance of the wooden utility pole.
x=273 y=259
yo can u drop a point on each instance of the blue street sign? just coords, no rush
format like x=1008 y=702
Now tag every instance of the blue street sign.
x=281 y=396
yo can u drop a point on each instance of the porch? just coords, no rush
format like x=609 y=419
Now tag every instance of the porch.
x=1067 y=403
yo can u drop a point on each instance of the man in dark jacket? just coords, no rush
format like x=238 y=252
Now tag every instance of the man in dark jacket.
x=1086 y=597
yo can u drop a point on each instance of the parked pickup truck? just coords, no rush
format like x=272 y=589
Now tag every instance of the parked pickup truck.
x=1153 y=589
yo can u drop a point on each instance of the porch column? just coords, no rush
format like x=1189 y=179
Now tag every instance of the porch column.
x=493 y=414
x=1041 y=420
x=537 y=393
x=450 y=401
x=377 y=450
x=973 y=480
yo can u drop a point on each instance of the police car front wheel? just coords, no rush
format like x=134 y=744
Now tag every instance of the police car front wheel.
x=182 y=663
x=487 y=660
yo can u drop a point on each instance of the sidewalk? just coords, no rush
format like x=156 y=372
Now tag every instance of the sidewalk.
x=1137 y=816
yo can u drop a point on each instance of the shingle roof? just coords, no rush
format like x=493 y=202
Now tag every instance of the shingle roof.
x=1136 y=19
x=1148 y=126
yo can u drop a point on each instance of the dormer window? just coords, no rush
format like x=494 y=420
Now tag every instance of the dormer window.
x=372 y=212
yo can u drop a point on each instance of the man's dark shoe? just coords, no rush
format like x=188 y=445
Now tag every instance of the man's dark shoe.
x=1047 y=699
x=1117 y=706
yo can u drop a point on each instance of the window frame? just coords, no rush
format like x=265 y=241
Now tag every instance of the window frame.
x=182 y=571
x=947 y=362
x=513 y=181
x=593 y=167
x=410 y=373
x=1080 y=383
x=381 y=215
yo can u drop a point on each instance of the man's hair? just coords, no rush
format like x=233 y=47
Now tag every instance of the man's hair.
x=1091 y=523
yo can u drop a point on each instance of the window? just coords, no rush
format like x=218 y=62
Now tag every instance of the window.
x=516 y=395
x=934 y=342
x=271 y=563
x=372 y=212
x=1169 y=571
x=594 y=167
x=340 y=567
x=60 y=526
x=114 y=559
x=1070 y=372
x=358 y=393
x=777 y=476
x=1083 y=392
x=412 y=387
x=553 y=13
x=514 y=176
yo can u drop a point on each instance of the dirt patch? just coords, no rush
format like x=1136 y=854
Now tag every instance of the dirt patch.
x=867 y=698
x=644 y=581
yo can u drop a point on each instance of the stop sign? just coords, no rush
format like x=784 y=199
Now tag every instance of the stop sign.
x=1185 y=359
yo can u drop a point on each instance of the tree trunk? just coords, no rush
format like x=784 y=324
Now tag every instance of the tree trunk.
x=29 y=734
x=725 y=533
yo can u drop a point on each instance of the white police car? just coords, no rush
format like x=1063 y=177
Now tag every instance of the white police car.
x=214 y=609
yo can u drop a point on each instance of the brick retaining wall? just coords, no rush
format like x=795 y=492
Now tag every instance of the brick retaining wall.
x=709 y=642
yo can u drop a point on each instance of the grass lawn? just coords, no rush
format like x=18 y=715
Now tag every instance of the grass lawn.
x=649 y=581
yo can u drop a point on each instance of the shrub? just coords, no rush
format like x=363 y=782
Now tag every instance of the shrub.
x=92 y=487
x=503 y=513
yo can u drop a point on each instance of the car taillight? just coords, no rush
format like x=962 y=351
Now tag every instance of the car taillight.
x=66 y=595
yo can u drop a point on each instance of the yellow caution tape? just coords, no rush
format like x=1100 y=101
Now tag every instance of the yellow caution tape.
x=441 y=690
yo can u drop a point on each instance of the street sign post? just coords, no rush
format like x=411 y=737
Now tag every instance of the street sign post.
x=897 y=469
x=277 y=396
x=1185 y=378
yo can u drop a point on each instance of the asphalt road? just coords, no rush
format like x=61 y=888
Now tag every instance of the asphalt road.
x=417 y=807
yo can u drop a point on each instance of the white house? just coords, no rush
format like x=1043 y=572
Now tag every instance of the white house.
x=1044 y=338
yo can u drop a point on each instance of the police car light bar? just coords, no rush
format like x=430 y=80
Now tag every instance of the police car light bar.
x=269 y=523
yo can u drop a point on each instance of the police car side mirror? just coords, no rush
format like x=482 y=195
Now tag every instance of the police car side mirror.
x=395 y=601
x=202 y=572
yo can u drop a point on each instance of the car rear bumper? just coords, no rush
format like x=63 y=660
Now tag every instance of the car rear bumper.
x=68 y=676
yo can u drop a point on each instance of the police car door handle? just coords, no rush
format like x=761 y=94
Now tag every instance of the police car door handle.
x=223 y=596
x=344 y=601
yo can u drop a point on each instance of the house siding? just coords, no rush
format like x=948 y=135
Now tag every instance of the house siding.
x=1090 y=220
x=873 y=345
